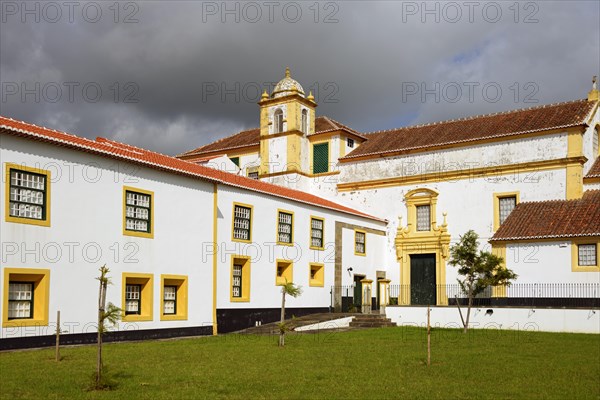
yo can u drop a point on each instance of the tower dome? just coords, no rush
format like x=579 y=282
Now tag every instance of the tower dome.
x=287 y=86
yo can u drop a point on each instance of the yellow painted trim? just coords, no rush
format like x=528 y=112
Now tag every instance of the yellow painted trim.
x=181 y=312
x=23 y=220
x=279 y=210
x=242 y=153
x=444 y=176
x=288 y=272
x=294 y=148
x=41 y=296
x=574 y=183
x=215 y=258
x=343 y=145
x=146 y=295
x=499 y=249
x=575 y=267
x=251 y=207
x=246 y=265
x=310 y=233
x=497 y=197
x=457 y=145
x=319 y=280
x=300 y=173
x=365 y=233
x=149 y=235
x=311 y=160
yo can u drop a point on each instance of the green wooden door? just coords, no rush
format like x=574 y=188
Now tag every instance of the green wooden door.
x=422 y=279
x=320 y=158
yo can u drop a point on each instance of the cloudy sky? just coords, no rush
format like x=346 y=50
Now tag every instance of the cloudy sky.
x=171 y=76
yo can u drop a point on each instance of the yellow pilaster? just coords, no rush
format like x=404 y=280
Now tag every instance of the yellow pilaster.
x=574 y=171
x=499 y=249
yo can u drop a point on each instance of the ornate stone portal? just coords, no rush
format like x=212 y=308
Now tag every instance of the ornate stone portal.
x=420 y=236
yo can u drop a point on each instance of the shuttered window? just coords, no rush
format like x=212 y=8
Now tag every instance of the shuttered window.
x=320 y=158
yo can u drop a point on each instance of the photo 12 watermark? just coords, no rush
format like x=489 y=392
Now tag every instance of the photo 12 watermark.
x=469 y=92
x=53 y=12
x=252 y=12
x=453 y=12
x=251 y=92
x=69 y=92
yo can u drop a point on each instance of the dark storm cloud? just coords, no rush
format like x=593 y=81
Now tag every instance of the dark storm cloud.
x=175 y=76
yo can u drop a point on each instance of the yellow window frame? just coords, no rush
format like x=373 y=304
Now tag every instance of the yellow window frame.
x=181 y=283
x=23 y=220
x=126 y=232
x=41 y=295
x=146 y=295
x=319 y=279
x=245 y=261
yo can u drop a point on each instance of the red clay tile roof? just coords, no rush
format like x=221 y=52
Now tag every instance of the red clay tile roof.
x=553 y=219
x=510 y=123
x=251 y=137
x=112 y=149
x=594 y=172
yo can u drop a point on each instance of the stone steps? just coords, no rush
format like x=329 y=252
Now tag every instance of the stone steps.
x=272 y=328
x=371 y=321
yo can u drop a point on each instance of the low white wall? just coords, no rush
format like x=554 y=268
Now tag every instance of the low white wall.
x=538 y=319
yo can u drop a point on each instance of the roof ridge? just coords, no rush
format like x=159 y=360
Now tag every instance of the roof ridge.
x=472 y=117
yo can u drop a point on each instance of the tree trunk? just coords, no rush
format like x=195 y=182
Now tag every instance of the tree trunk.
x=282 y=328
x=101 y=307
x=469 y=309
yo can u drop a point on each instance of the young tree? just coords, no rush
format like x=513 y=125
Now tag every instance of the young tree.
x=292 y=290
x=479 y=269
x=110 y=313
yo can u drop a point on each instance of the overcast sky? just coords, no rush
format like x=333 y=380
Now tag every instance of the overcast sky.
x=171 y=76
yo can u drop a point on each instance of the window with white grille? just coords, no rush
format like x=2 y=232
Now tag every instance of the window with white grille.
x=359 y=242
x=284 y=229
x=138 y=208
x=170 y=300
x=133 y=299
x=423 y=218
x=20 y=300
x=316 y=232
x=587 y=255
x=241 y=222
x=236 y=283
x=506 y=204
x=350 y=143
x=27 y=195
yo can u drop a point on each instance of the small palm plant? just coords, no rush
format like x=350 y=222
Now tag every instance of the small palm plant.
x=292 y=290
x=110 y=314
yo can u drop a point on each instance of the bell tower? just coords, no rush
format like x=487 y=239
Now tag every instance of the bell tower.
x=287 y=117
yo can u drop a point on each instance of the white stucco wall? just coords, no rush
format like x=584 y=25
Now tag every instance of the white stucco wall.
x=86 y=232
x=264 y=251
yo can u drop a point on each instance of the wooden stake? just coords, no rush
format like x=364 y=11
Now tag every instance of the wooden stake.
x=58 y=335
x=428 y=336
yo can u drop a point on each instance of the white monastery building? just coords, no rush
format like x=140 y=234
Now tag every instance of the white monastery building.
x=198 y=244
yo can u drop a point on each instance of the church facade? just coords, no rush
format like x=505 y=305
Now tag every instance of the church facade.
x=200 y=243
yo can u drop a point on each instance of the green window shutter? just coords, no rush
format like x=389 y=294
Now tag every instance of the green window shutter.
x=320 y=158
x=236 y=161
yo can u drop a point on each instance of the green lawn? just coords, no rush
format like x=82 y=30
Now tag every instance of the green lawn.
x=374 y=363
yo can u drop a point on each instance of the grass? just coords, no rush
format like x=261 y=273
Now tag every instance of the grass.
x=374 y=363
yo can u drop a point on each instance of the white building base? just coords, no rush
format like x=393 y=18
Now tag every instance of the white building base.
x=523 y=319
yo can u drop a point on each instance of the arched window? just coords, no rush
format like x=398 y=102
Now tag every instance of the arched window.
x=595 y=143
x=305 y=121
x=278 y=121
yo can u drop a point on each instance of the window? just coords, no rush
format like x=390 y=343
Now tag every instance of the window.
x=25 y=297
x=278 y=121
x=174 y=297
x=360 y=243
x=504 y=203
x=285 y=227
x=242 y=222
x=240 y=279
x=137 y=297
x=133 y=296
x=350 y=143
x=236 y=161
x=305 y=120
x=284 y=272
x=317 y=233
x=317 y=275
x=20 y=300
x=423 y=218
x=587 y=255
x=28 y=195
x=252 y=172
x=321 y=158
x=138 y=212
